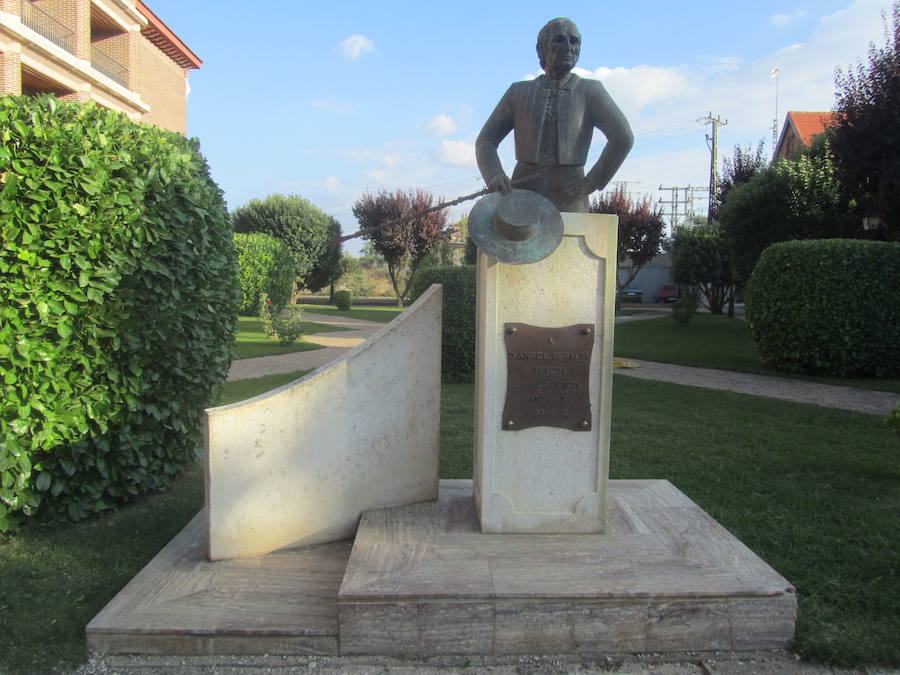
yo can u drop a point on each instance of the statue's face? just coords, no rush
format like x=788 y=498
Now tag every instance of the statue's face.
x=562 y=49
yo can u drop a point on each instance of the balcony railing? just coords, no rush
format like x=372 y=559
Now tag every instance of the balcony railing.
x=109 y=66
x=40 y=22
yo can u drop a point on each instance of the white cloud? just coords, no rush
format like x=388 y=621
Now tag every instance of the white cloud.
x=781 y=19
x=335 y=105
x=723 y=64
x=637 y=88
x=355 y=46
x=456 y=153
x=333 y=184
x=441 y=125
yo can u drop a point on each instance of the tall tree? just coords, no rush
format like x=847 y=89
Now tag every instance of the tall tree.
x=865 y=137
x=297 y=222
x=403 y=238
x=640 y=232
x=791 y=200
x=738 y=170
x=327 y=268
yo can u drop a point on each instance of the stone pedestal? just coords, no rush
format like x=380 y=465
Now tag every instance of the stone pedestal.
x=546 y=479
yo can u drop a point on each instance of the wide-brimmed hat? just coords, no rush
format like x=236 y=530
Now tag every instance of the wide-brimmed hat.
x=516 y=228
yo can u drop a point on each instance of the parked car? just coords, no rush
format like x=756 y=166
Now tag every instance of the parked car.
x=632 y=295
x=667 y=293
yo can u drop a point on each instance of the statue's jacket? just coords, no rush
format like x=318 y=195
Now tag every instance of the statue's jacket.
x=583 y=104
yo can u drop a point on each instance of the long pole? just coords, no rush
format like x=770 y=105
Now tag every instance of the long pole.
x=713 y=160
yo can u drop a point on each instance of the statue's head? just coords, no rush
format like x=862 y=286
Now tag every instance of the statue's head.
x=558 y=47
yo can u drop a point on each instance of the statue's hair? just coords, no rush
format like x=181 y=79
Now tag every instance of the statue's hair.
x=544 y=35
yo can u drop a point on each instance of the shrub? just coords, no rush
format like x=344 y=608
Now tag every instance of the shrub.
x=267 y=314
x=266 y=267
x=458 y=333
x=288 y=328
x=892 y=419
x=342 y=300
x=683 y=309
x=119 y=291
x=303 y=227
x=827 y=307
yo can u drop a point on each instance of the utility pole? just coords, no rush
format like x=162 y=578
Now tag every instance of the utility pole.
x=714 y=158
x=682 y=206
x=673 y=202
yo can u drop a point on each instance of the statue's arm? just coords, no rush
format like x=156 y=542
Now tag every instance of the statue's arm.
x=497 y=127
x=606 y=116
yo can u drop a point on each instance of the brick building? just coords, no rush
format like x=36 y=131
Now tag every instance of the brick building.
x=115 y=52
x=798 y=132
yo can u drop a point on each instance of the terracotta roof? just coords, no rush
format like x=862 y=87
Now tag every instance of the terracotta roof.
x=809 y=124
x=162 y=36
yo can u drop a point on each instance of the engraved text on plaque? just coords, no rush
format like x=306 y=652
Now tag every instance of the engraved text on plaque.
x=547 y=377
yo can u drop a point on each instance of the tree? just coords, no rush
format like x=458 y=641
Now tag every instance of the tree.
x=403 y=238
x=701 y=257
x=798 y=199
x=327 y=269
x=745 y=164
x=302 y=226
x=640 y=231
x=865 y=136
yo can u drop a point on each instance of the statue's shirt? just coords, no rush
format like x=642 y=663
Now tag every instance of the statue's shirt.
x=582 y=105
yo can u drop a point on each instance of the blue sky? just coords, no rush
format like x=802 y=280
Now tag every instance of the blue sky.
x=328 y=100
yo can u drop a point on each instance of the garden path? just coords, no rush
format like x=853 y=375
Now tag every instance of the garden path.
x=786 y=389
x=334 y=344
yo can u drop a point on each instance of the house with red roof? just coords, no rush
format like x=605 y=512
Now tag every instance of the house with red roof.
x=799 y=129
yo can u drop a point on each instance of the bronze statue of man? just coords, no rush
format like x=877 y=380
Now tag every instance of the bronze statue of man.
x=553 y=117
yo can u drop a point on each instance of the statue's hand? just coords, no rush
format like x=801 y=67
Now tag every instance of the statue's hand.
x=500 y=183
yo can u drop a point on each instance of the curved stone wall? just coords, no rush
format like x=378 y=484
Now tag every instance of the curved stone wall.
x=299 y=464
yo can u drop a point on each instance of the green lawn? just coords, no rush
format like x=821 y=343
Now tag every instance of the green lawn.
x=814 y=491
x=713 y=342
x=252 y=341
x=377 y=314
x=238 y=390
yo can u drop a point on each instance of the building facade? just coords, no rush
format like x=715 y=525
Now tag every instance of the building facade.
x=798 y=132
x=115 y=52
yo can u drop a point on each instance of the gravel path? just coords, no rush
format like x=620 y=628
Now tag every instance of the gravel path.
x=783 y=388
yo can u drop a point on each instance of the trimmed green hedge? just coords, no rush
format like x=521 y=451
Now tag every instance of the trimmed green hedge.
x=118 y=281
x=267 y=266
x=343 y=300
x=458 y=347
x=827 y=306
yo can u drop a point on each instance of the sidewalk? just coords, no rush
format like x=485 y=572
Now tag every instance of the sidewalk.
x=334 y=344
x=782 y=388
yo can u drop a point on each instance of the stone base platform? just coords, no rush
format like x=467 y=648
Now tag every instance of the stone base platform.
x=422 y=580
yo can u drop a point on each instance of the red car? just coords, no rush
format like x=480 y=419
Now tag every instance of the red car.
x=667 y=293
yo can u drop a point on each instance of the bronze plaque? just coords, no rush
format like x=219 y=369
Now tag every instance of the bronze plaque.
x=547 y=377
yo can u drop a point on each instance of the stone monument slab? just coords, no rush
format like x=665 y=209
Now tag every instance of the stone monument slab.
x=532 y=475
